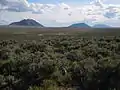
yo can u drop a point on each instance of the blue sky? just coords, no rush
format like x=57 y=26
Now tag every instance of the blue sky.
x=61 y=12
x=60 y=1
x=73 y=1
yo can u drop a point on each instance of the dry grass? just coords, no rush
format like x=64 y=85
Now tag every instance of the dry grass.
x=36 y=33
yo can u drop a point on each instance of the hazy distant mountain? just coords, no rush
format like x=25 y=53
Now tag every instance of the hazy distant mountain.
x=101 y=26
x=27 y=22
x=80 y=25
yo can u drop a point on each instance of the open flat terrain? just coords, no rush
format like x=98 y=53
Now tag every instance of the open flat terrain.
x=25 y=33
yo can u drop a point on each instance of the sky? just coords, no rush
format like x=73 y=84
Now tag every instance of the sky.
x=58 y=13
x=61 y=1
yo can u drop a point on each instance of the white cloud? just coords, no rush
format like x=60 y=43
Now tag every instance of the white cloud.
x=95 y=12
x=14 y=5
x=98 y=3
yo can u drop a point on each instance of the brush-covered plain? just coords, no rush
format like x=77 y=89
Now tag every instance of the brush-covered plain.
x=59 y=59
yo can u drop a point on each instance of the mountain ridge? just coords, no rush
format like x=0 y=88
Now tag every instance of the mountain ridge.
x=26 y=22
x=79 y=25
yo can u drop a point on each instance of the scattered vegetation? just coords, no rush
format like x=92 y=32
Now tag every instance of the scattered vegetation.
x=61 y=63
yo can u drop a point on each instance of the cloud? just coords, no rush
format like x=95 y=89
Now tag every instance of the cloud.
x=112 y=12
x=94 y=12
x=24 y=6
x=3 y=2
x=14 y=5
x=41 y=8
x=64 y=6
x=98 y=3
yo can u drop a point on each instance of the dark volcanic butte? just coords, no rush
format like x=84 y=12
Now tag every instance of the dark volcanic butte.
x=79 y=25
x=27 y=22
